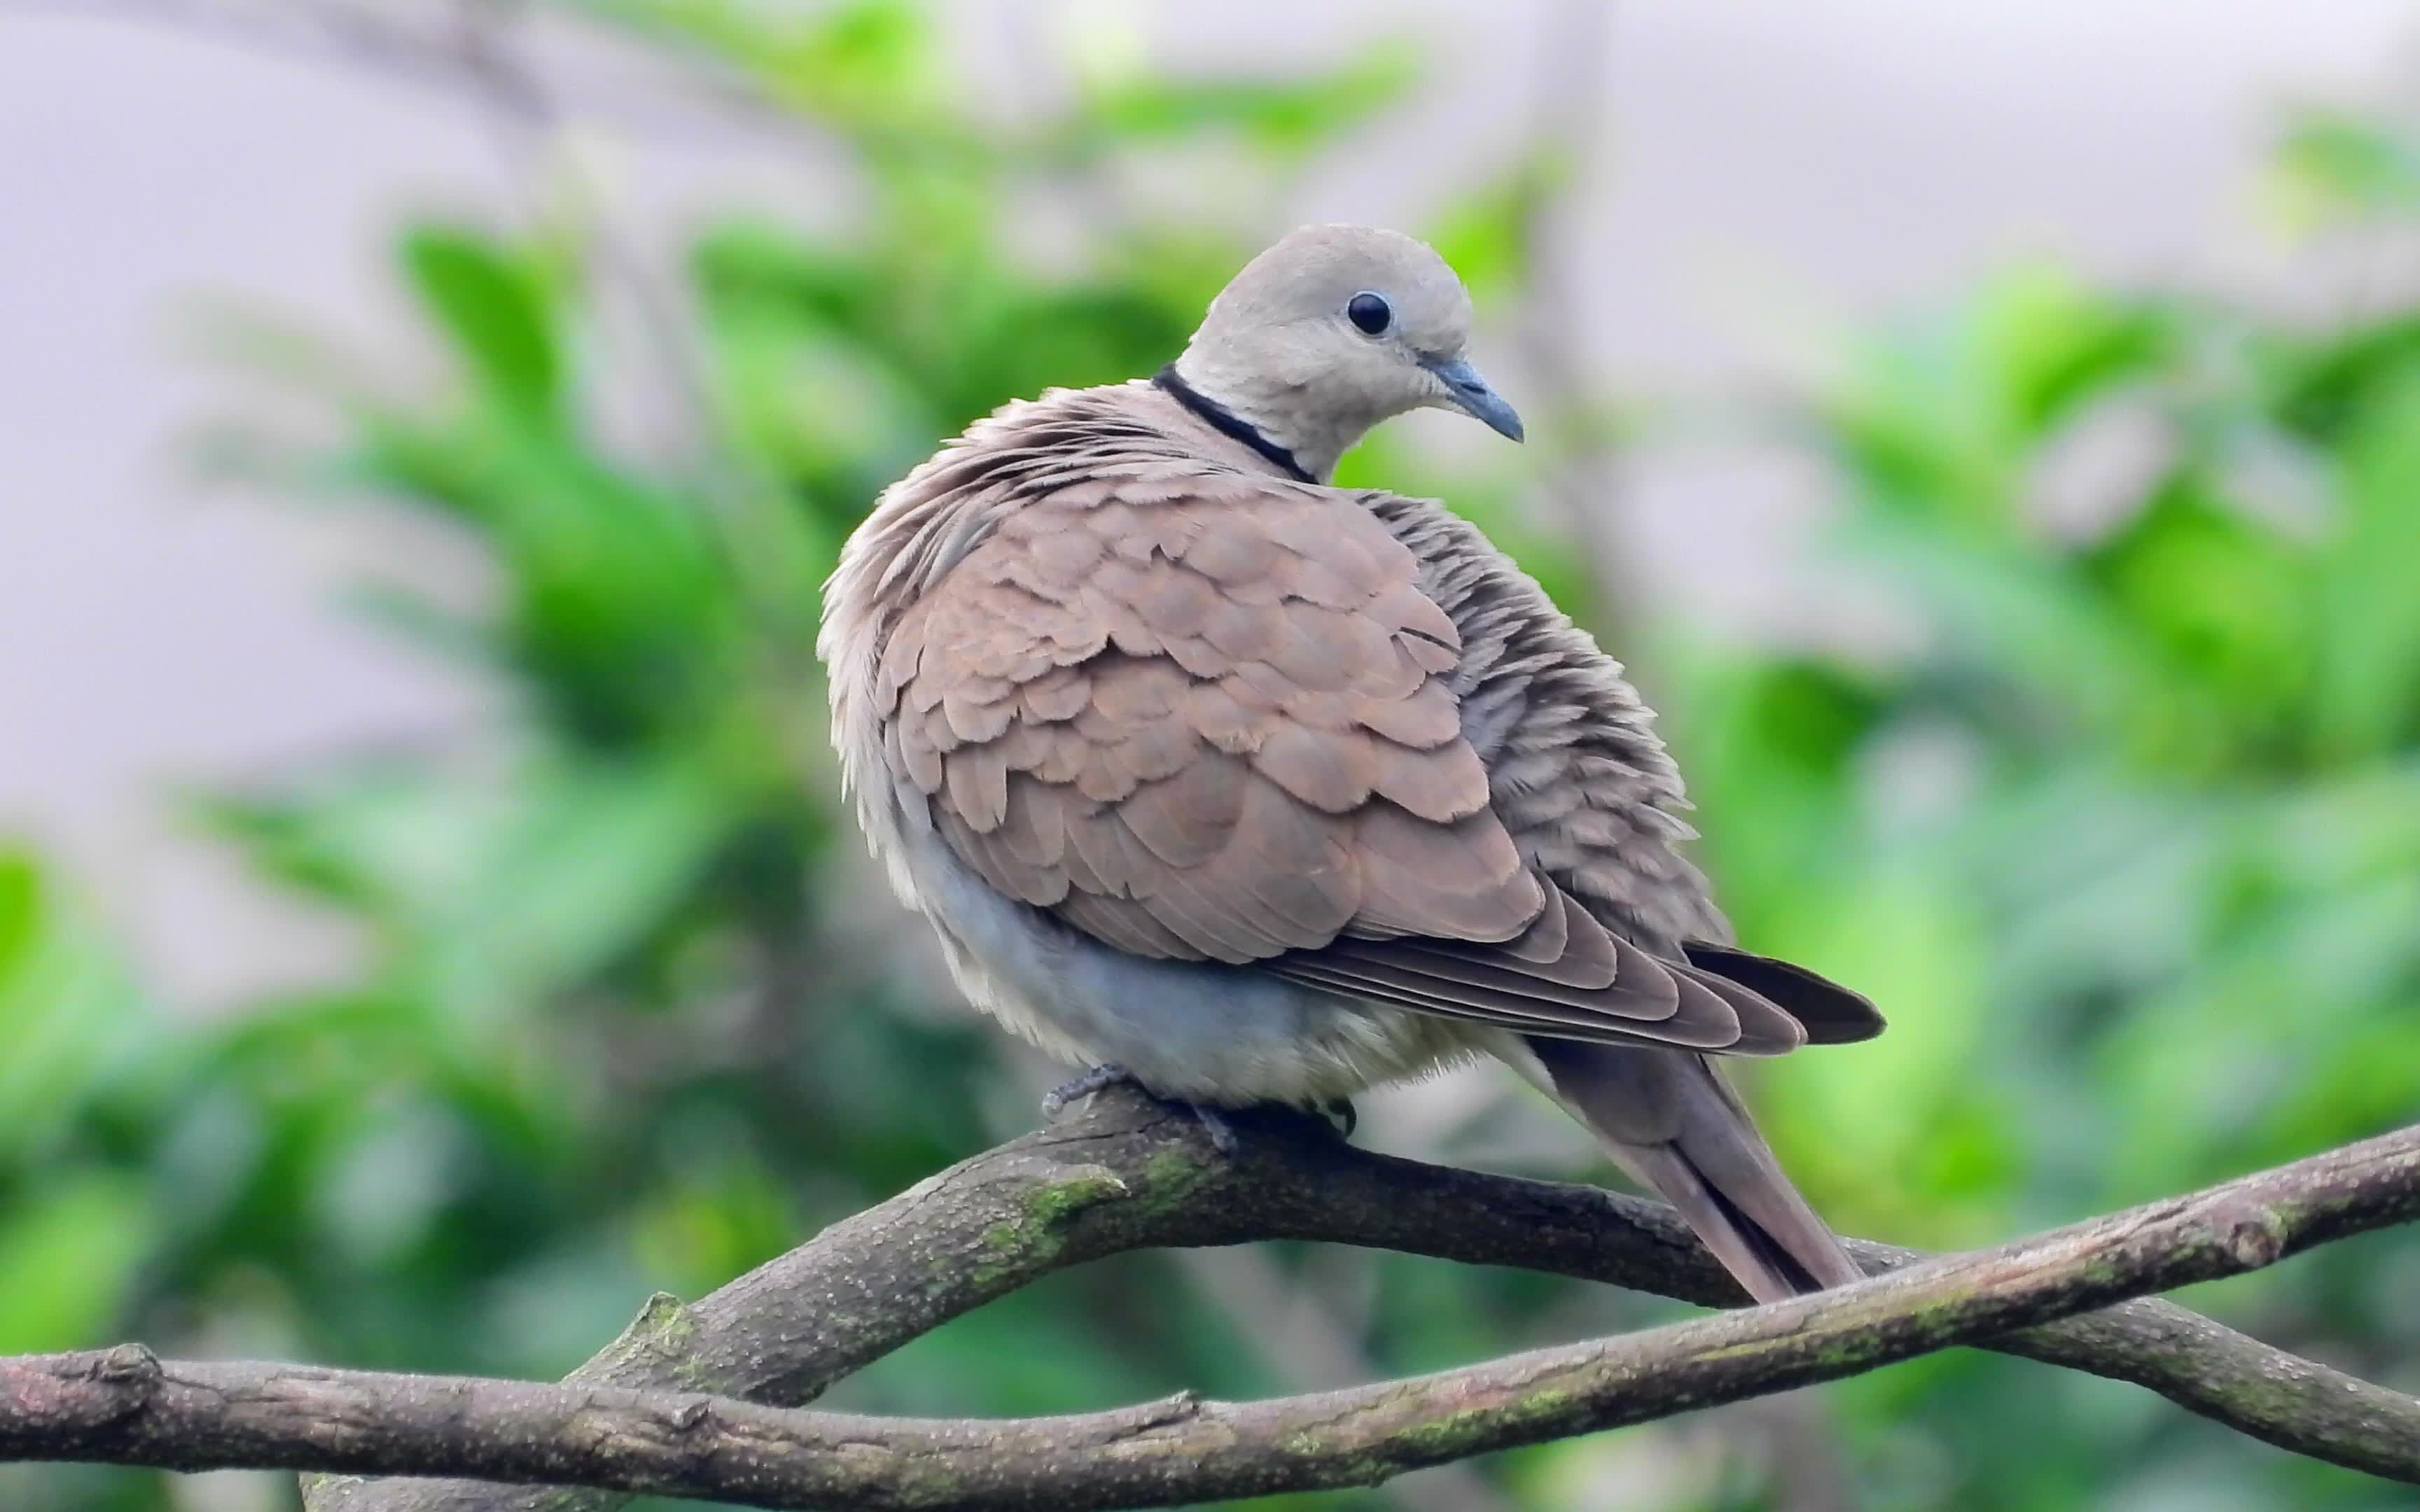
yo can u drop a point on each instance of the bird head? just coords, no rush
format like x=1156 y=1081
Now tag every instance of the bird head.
x=1334 y=330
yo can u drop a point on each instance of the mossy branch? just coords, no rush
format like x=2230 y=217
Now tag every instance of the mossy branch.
x=660 y=1410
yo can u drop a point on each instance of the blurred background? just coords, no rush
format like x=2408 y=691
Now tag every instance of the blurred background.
x=1991 y=434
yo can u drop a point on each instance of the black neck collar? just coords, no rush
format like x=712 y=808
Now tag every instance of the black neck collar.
x=1226 y=423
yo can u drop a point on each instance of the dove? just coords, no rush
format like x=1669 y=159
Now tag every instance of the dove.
x=1255 y=790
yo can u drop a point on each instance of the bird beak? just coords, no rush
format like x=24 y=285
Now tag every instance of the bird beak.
x=1471 y=393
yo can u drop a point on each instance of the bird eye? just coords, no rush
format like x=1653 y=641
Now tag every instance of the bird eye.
x=1370 y=313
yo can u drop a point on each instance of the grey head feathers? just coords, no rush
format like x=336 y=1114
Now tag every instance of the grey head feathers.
x=1334 y=330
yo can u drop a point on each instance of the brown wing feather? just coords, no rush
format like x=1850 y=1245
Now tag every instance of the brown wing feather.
x=1491 y=986
x=1205 y=719
x=1566 y=976
x=1234 y=758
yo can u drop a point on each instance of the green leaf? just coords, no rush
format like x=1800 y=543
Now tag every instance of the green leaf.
x=495 y=307
x=2021 y=618
x=1287 y=117
x=1488 y=236
x=67 y=1009
x=590 y=863
x=2052 y=342
x=2365 y=694
x=2333 y=165
x=68 y=1251
x=1910 y=1102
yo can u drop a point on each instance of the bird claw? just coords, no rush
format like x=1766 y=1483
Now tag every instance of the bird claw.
x=1347 y=1118
x=1215 y=1124
x=1101 y=1078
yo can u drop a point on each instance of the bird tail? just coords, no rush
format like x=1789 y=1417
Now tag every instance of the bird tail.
x=1672 y=1122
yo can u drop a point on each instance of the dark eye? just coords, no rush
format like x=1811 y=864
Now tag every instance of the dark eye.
x=1370 y=313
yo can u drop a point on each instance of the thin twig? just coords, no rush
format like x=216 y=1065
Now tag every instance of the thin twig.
x=1577 y=477
x=674 y=96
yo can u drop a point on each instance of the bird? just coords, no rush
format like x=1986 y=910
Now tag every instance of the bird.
x=1251 y=789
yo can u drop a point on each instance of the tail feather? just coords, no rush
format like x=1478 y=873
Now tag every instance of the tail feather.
x=1829 y=1012
x=1672 y=1122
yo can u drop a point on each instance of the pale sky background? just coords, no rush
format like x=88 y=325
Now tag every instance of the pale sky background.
x=1770 y=170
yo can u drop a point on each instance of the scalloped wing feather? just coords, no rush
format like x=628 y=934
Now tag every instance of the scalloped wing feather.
x=1229 y=760
x=1201 y=714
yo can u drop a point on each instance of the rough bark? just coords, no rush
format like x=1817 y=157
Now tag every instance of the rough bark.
x=653 y=1412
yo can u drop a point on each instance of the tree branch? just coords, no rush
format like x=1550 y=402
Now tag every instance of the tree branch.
x=127 y=1406
x=1127 y=1175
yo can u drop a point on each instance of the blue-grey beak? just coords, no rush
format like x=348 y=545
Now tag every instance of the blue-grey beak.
x=1471 y=392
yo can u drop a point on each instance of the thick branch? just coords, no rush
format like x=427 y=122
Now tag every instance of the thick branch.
x=126 y=1406
x=1126 y=1175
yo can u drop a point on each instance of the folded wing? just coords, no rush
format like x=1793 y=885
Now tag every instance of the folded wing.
x=1201 y=716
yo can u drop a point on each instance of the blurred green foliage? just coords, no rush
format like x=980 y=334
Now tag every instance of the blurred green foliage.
x=2128 y=821
x=2119 y=817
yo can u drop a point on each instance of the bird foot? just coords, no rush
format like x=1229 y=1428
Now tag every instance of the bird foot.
x=1215 y=1124
x=1345 y=1117
x=1101 y=1078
